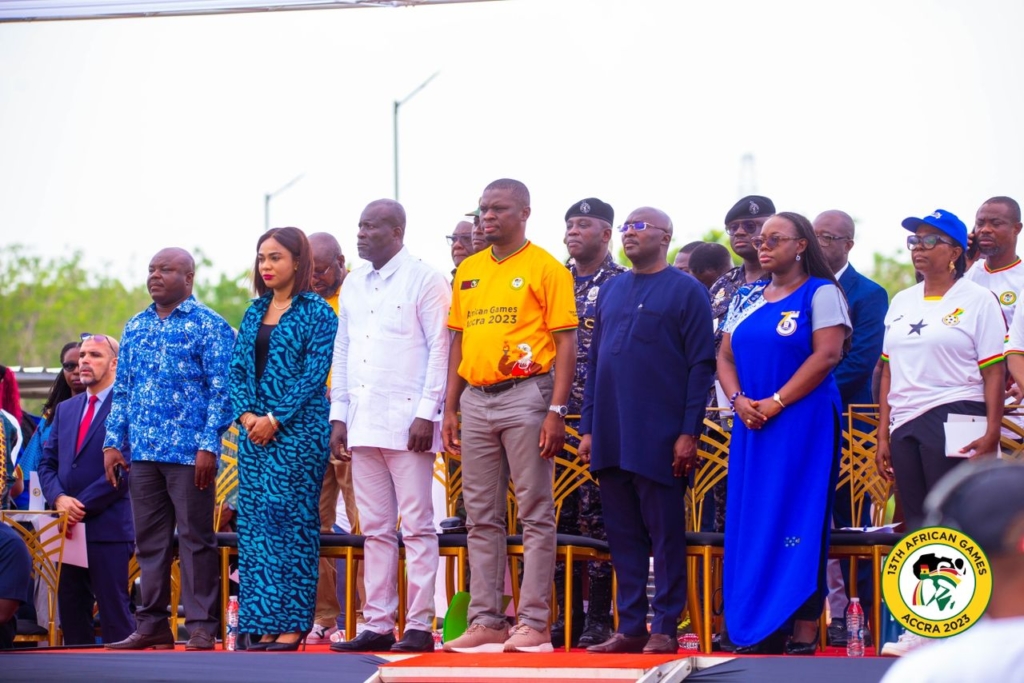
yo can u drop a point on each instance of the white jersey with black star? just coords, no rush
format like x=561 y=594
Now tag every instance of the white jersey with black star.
x=937 y=347
x=1006 y=283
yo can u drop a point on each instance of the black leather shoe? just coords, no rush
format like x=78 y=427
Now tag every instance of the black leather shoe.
x=794 y=647
x=144 y=641
x=368 y=641
x=288 y=646
x=620 y=643
x=661 y=644
x=259 y=646
x=594 y=634
x=775 y=644
x=558 y=632
x=415 y=641
x=201 y=639
x=837 y=633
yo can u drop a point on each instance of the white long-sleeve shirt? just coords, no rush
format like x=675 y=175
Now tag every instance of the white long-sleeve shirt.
x=391 y=352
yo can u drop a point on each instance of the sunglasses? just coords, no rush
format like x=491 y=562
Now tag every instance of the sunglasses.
x=640 y=226
x=926 y=242
x=461 y=239
x=825 y=239
x=99 y=339
x=70 y=366
x=749 y=227
x=771 y=241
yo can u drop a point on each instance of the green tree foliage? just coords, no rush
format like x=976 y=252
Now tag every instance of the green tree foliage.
x=47 y=302
x=892 y=273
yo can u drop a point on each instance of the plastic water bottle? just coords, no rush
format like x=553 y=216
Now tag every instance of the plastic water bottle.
x=231 y=637
x=854 y=629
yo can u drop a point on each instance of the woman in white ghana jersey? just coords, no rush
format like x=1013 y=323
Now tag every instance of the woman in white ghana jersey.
x=943 y=354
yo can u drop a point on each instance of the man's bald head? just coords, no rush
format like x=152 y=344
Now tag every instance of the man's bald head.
x=328 y=264
x=839 y=223
x=179 y=255
x=388 y=210
x=834 y=230
x=169 y=283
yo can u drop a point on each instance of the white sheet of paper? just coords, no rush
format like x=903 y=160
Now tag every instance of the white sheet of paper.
x=963 y=429
x=35 y=493
x=74 y=547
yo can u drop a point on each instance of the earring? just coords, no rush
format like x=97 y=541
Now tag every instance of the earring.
x=952 y=267
x=798 y=257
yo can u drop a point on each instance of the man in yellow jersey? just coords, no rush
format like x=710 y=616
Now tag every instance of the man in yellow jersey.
x=513 y=314
x=328 y=274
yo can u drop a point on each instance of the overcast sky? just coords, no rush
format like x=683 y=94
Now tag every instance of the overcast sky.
x=119 y=137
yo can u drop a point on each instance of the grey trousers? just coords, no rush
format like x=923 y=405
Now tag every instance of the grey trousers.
x=500 y=435
x=164 y=495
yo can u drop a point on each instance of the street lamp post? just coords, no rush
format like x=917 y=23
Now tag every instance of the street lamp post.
x=270 y=195
x=394 y=120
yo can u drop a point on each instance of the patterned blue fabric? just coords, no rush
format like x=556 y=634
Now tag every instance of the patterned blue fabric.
x=279 y=484
x=28 y=461
x=171 y=393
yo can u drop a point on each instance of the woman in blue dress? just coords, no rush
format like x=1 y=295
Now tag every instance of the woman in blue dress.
x=278 y=371
x=782 y=339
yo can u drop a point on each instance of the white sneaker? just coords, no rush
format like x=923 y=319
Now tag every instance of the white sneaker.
x=908 y=641
x=321 y=635
x=338 y=636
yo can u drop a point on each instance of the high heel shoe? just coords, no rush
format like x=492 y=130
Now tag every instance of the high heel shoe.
x=774 y=644
x=278 y=646
x=260 y=646
x=795 y=647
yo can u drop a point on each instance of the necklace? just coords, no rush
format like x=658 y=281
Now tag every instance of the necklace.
x=281 y=308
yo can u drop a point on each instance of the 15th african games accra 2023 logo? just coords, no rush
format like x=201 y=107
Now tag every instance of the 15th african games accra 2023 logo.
x=937 y=582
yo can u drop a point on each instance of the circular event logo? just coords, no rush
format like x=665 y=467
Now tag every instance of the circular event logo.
x=937 y=582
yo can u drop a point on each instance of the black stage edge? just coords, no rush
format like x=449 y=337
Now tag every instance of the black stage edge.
x=790 y=669
x=201 y=667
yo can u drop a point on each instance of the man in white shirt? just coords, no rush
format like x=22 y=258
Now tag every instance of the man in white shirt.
x=388 y=383
x=996 y=228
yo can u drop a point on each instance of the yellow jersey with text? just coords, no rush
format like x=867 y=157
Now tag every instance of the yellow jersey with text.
x=507 y=312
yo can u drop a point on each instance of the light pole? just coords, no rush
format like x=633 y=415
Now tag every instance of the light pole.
x=399 y=103
x=270 y=195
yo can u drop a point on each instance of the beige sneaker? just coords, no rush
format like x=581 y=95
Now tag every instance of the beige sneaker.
x=907 y=642
x=478 y=638
x=528 y=639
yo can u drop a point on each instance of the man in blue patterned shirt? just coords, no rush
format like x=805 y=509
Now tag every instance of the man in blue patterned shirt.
x=170 y=401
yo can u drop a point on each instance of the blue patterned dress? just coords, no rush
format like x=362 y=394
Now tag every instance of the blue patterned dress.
x=279 y=484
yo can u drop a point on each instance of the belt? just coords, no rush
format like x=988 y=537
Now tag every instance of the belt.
x=505 y=385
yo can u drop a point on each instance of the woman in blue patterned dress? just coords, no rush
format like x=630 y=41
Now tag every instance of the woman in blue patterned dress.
x=281 y=359
x=782 y=339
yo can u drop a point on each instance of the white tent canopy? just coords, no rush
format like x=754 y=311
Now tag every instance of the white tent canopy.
x=36 y=10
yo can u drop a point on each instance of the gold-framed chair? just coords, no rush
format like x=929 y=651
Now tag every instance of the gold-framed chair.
x=452 y=547
x=45 y=543
x=857 y=471
x=704 y=547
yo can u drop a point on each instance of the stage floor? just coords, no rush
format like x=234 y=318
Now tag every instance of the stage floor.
x=319 y=664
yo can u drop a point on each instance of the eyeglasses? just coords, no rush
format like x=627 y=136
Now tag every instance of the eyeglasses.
x=771 y=241
x=825 y=239
x=640 y=226
x=70 y=366
x=926 y=242
x=99 y=338
x=323 y=273
x=461 y=239
x=749 y=227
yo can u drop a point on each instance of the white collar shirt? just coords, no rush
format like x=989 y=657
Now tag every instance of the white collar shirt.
x=391 y=352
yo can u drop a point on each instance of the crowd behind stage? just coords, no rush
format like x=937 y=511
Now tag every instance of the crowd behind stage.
x=345 y=384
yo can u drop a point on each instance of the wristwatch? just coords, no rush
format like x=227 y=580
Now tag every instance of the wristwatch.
x=561 y=410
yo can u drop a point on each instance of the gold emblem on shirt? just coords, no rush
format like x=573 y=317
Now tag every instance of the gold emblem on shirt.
x=787 y=325
x=517 y=283
x=1008 y=298
x=953 y=319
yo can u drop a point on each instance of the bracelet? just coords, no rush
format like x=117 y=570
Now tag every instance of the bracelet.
x=732 y=400
x=273 y=421
x=778 y=399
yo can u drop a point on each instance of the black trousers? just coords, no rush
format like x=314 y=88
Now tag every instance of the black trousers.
x=918 y=450
x=164 y=495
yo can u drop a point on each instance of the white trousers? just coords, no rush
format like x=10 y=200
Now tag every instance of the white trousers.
x=390 y=483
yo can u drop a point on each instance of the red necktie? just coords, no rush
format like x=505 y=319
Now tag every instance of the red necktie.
x=83 y=428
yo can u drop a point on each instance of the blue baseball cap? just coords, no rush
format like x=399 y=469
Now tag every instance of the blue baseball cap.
x=941 y=220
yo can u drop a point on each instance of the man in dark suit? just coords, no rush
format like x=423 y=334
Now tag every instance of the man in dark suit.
x=73 y=479
x=868 y=304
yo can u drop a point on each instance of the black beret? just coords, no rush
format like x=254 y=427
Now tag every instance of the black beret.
x=752 y=206
x=591 y=207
